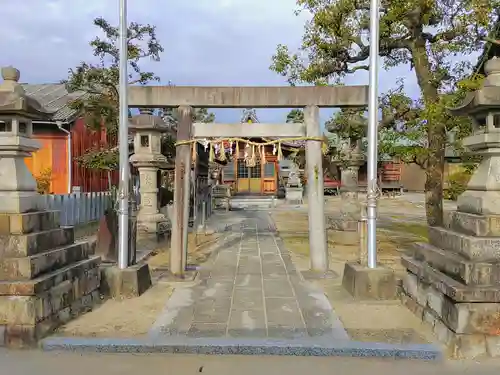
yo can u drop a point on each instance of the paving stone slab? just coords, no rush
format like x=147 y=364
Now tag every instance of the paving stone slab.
x=251 y=291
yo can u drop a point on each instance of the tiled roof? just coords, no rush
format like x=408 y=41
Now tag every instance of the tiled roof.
x=54 y=98
x=249 y=115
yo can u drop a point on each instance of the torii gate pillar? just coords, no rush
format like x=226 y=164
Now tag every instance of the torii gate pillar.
x=314 y=159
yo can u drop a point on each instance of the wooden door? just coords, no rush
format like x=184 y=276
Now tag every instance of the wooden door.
x=255 y=174
x=242 y=177
x=269 y=177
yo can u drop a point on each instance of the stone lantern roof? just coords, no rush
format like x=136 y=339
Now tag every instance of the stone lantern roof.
x=13 y=99
x=146 y=120
x=487 y=97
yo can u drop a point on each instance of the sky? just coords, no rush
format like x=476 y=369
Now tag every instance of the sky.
x=207 y=42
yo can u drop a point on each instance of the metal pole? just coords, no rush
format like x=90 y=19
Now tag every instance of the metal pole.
x=372 y=136
x=123 y=144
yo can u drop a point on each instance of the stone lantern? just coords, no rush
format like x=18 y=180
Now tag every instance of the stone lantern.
x=148 y=159
x=18 y=188
x=349 y=159
x=46 y=277
x=454 y=278
x=350 y=156
x=483 y=106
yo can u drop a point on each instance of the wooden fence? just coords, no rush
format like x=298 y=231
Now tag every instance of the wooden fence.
x=79 y=208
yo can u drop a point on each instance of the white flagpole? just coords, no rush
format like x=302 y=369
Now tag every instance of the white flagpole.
x=372 y=135
x=123 y=214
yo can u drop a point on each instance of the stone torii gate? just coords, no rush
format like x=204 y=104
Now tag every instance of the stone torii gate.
x=311 y=99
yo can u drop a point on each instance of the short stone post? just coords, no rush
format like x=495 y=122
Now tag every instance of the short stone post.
x=148 y=159
x=182 y=185
x=317 y=231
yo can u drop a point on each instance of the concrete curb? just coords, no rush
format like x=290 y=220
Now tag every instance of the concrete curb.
x=214 y=346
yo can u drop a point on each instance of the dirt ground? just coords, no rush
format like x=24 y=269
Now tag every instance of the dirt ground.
x=134 y=317
x=389 y=320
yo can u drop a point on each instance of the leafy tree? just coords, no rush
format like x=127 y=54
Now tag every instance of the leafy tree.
x=299 y=156
x=170 y=117
x=349 y=124
x=100 y=83
x=295 y=115
x=427 y=35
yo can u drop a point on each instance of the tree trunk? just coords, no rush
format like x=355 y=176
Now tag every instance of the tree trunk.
x=436 y=136
x=110 y=186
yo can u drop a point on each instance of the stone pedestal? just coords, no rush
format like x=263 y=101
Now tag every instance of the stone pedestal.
x=46 y=278
x=369 y=283
x=149 y=218
x=344 y=227
x=125 y=283
x=453 y=282
x=148 y=159
x=349 y=178
x=294 y=191
x=294 y=195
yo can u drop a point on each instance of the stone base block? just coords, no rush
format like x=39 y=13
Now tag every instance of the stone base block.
x=460 y=317
x=43 y=283
x=294 y=195
x=28 y=222
x=479 y=202
x=342 y=223
x=22 y=245
x=27 y=268
x=473 y=224
x=222 y=203
x=125 y=283
x=20 y=336
x=449 y=286
x=458 y=267
x=34 y=310
x=369 y=283
x=471 y=247
x=342 y=237
x=151 y=223
x=21 y=201
x=468 y=330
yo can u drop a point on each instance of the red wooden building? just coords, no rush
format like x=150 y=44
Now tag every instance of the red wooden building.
x=63 y=139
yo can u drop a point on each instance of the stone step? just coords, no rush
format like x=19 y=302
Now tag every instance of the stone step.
x=49 y=280
x=27 y=268
x=253 y=201
x=473 y=224
x=473 y=248
x=22 y=245
x=457 y=267
x=454 y=289
x=28 y=222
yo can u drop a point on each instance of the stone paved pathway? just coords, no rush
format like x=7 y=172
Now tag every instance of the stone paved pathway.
x=249 y=289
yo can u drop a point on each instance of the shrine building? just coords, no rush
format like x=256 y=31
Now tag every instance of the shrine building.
x=250 y=173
